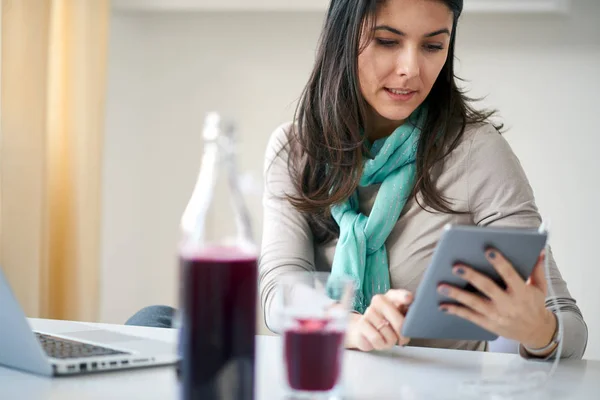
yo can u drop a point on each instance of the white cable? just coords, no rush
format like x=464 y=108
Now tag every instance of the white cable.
x=521 y=380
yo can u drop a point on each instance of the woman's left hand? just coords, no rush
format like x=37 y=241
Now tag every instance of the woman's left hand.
x=517 y=313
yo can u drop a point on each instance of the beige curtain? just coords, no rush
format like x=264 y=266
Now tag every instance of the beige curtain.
x=53 y=69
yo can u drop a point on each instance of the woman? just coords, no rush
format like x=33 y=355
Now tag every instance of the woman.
x=384 y=152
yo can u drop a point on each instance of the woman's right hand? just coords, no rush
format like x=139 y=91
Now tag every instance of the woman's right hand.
x=380 y=327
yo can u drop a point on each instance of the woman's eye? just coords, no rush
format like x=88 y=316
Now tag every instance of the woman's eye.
x=386 y=42
x=434 y=47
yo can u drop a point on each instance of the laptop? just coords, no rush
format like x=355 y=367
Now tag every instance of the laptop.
x=58 y=348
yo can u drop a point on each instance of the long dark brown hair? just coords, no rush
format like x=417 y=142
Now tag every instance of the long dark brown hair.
x=327 y=147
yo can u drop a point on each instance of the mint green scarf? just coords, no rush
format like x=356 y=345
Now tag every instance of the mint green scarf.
x=360 y=253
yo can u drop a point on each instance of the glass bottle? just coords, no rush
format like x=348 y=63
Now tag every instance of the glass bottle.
x=218 y=272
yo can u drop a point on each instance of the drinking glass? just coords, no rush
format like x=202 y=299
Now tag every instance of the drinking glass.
x=314 y=320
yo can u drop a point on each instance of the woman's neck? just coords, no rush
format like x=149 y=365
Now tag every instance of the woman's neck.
x=378 y=127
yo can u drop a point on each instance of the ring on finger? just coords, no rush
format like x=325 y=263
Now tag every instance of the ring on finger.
x=382 y=324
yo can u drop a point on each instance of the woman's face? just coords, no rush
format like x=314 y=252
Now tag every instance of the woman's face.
x=398 y=68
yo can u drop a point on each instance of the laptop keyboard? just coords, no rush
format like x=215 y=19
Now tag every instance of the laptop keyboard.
x=64 y=349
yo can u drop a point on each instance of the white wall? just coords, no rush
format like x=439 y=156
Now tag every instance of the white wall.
x=543 y=75
x=166 y=70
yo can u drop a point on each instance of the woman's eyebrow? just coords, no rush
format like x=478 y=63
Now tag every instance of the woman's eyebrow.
x=400 y=33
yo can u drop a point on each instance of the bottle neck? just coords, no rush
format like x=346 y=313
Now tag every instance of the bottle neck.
x=217 y=186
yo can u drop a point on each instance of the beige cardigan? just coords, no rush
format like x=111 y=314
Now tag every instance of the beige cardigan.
x=482 y=176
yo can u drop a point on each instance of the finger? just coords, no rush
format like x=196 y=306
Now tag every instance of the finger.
x=381 y=324
x=483 y=283
x=469 y=315
x=372 y=334
x=473 y=301
x=538 y=276
x=403 y=341
x=507 y=272
x=400 y=298
x=384 y=306
x=391 y=339
x=364 y=344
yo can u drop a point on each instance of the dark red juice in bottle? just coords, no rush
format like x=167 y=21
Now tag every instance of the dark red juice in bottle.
x=218 y=325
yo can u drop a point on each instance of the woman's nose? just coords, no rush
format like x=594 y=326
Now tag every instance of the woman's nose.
x=408 y=63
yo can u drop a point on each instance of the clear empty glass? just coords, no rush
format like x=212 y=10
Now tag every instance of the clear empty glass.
x=314 y=320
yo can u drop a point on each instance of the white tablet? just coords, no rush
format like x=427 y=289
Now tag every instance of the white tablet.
x=467 y=245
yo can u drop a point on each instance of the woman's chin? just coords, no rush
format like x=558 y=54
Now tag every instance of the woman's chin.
x=396 y=117
x=395 y=113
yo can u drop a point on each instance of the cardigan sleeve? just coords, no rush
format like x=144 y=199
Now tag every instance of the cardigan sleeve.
x=287 y=241
x=499 y=194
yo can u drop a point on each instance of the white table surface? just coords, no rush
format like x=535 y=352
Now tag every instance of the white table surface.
x=402 y=373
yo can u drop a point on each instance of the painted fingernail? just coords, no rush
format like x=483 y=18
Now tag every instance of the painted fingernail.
x=444 y=290
x=444 y=309
x=492 y=254
x=459 y=271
